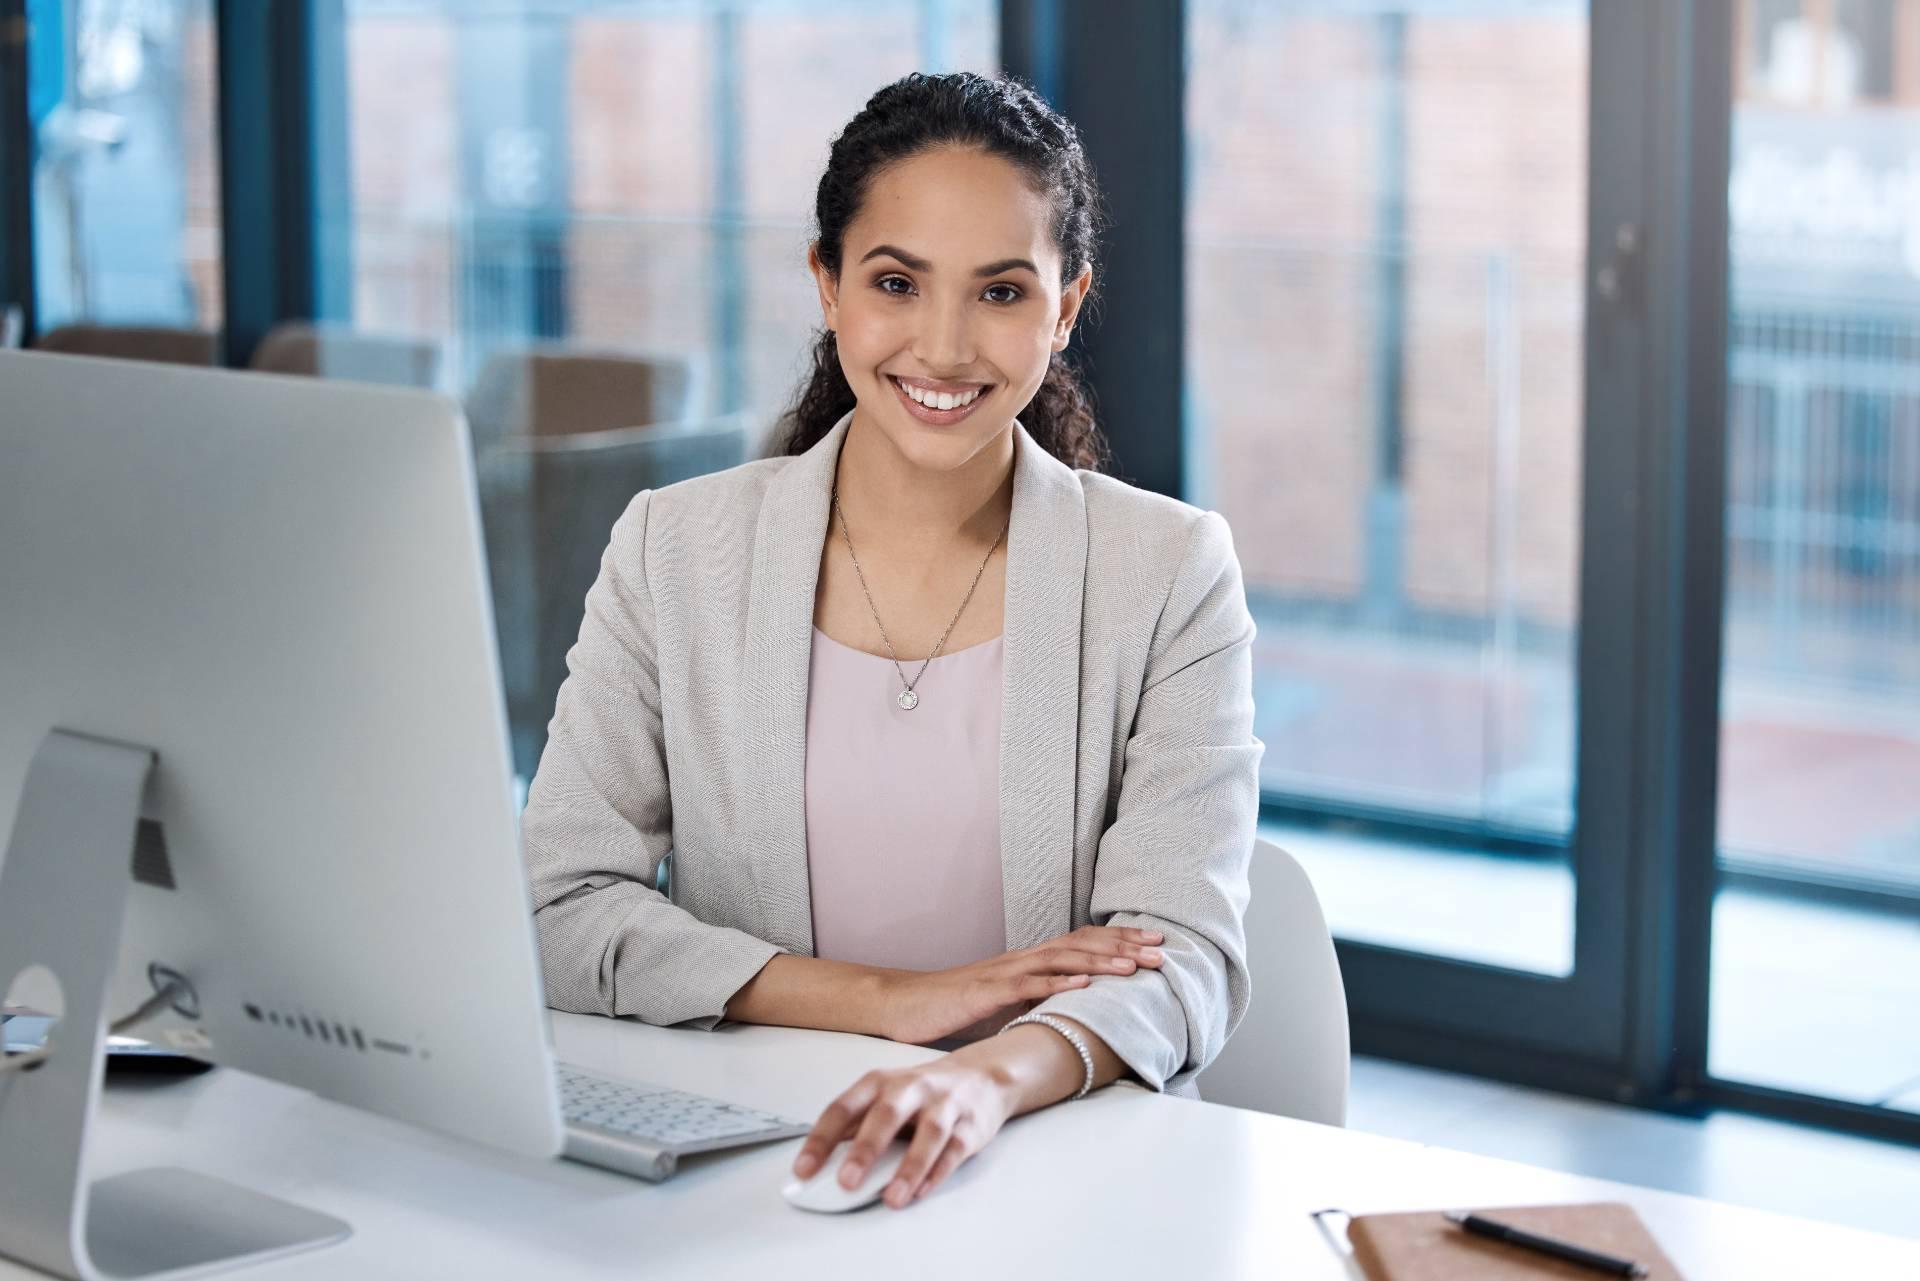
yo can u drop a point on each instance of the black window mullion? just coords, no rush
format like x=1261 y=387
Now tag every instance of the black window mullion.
x=283 y=148
x=16 y=167
x=1671 y=905
x=1117 y=69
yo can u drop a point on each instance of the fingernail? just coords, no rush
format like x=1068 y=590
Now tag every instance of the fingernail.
x=896 y=1192
x=849 y=1175
x=1122 y=963
x=1150 y=954
x=1155 y=935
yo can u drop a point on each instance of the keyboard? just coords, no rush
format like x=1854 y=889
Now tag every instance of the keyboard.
x=644 y=1130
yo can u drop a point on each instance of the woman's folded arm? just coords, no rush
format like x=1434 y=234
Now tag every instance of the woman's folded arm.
x=599 y=820
x=1175 y=857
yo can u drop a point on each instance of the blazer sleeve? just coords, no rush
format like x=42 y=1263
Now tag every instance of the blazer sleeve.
x=1175 y=857
x=599 y=820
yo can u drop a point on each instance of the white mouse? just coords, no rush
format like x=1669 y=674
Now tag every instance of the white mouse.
x=822 y=1191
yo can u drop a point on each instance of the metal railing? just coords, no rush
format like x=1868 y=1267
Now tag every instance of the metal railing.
x=1823 y=496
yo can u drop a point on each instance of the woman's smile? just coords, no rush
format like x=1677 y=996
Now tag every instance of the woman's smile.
x=938 y=403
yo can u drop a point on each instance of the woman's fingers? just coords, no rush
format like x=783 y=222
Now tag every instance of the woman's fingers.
x=1126 y=933
x=895 y=1106
x=959 y=1148
x=1069 y=960
x=931 y=1130
x=1038 y=987
x=835 y=1122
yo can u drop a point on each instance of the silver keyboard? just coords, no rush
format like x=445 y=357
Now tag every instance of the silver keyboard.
x=643 y=1130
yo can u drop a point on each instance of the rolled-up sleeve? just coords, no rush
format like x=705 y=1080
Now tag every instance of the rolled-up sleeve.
x=1175 y=857
x=599 y=820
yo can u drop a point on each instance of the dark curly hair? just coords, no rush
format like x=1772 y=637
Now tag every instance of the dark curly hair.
x=1002 y=117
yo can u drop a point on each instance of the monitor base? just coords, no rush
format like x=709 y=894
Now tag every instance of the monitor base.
x=63 y=898
x=167 y=1223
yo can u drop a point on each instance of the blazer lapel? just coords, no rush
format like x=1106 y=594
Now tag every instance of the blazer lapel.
x=771 y=752
x=1046 y=570
x=1040 y=701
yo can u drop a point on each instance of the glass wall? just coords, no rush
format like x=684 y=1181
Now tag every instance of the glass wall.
x=1816 y=945
x=1386 y=214
x=595 y=217
x=126 y=177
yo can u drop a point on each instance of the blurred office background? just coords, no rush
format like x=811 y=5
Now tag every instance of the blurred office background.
x=1556 y=364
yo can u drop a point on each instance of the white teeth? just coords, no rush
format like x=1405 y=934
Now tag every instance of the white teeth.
x=941 y=399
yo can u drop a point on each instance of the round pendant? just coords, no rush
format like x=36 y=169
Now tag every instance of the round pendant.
x=908 y=699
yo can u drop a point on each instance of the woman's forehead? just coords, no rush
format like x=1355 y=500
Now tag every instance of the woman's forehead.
x=957 y=208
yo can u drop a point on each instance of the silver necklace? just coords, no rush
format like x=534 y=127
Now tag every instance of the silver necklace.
x=909 y=700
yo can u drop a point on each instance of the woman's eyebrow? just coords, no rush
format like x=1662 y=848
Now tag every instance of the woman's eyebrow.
x=1005 y=265
x=907 y=260
x=913 y=263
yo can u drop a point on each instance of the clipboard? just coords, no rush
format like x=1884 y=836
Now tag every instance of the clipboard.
x=1424 y=1246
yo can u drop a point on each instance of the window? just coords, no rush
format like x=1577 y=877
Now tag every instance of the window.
x=1829 y=53
x=126 y=176
x=1819 y=821
x=1385 y=240
x=616 y=194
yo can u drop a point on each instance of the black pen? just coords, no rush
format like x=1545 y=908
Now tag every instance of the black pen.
x=1547 y=1245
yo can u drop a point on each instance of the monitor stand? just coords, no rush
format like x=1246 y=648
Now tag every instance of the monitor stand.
x=63 y=896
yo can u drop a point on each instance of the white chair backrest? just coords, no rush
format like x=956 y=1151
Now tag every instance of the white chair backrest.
x=1290 y=1054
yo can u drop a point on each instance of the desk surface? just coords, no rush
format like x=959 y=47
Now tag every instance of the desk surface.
x=1124 y=1183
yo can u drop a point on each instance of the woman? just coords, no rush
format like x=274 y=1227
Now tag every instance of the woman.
x=916 y=697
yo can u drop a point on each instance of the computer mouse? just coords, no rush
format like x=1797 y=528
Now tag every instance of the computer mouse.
x=822 y=1192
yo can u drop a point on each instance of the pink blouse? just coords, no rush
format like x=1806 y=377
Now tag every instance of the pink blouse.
x=903 y=808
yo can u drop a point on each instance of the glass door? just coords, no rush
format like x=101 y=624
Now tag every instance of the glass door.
x=1815 y=974
x=1391 y=285
x=1386 y=240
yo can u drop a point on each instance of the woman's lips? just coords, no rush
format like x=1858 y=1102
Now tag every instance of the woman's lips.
x=936 y=417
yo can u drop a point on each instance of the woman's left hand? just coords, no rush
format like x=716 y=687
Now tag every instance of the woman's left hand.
x=952 y=1107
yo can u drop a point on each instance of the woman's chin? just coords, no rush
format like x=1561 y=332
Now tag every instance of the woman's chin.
x=938 y=448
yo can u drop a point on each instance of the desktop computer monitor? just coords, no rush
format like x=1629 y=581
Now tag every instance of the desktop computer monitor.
x=252 y=739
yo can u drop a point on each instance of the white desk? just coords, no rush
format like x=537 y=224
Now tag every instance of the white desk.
x=1124 y=1184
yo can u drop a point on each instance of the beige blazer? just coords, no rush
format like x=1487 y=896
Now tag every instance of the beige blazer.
x=1128 y=768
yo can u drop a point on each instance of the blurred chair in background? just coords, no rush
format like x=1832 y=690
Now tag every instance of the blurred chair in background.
x=1291 y=1055
x=340 y=351
x=135 y=342
x=560 y=389
x=549 y=504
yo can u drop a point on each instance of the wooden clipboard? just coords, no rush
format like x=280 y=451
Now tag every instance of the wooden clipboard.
x=1424 y=1246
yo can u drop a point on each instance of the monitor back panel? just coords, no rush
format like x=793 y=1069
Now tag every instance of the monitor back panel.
x=278 y=585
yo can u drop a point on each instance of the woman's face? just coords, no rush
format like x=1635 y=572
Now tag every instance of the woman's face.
x=949 y=295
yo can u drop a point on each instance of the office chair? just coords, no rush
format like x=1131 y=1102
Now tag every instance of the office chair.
x=549 y=504
x=339 y=351
x=559 y=389
x=1290 y=1054
x=170 y=345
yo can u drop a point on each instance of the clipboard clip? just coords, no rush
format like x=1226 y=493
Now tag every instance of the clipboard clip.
x=1341 y=1246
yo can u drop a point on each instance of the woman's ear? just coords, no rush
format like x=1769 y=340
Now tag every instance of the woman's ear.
x=1070 y=299
x=828 y=286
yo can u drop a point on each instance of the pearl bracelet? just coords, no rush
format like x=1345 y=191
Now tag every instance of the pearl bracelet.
x=1074 y=1039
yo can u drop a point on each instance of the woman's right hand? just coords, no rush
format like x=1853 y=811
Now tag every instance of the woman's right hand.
x=918 y=1007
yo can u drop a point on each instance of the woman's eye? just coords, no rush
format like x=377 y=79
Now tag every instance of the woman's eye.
x=1002 y=293
x=894 y=285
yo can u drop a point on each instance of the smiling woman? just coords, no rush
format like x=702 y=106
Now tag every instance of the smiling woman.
x=1032 y=849
x=971 y=197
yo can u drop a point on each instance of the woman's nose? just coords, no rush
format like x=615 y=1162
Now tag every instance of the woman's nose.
x=945 y=341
